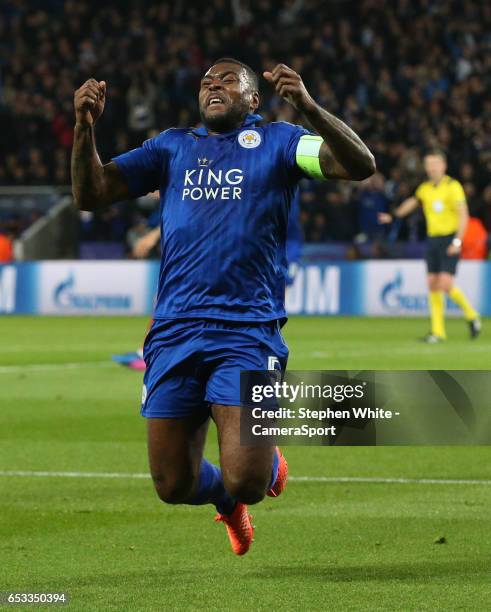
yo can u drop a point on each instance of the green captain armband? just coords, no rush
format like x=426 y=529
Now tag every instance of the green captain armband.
x=307 y=156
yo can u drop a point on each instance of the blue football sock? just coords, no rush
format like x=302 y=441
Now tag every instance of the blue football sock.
x=210 y=490
x=276 y=466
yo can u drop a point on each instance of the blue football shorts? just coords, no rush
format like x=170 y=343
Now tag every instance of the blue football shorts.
x=193 y=363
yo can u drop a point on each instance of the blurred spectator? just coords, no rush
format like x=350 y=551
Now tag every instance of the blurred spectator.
x=475 y=243
x=486 y=208
x=6 y=249
x=140 y=99
x=136 y=232
x=340 y=218
x=406 y=75
x=371 y=201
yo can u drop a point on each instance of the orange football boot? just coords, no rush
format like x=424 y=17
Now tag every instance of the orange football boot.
x=240 y=529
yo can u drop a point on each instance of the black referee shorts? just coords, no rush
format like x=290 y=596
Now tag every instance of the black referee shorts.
x=437 y=259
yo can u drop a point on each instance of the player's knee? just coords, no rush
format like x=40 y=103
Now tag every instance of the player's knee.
x=247 y=488
x=173 y=490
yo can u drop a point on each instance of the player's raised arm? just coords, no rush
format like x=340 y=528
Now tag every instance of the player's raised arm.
x=93 y=185
x=401 y=211
x=342 y=153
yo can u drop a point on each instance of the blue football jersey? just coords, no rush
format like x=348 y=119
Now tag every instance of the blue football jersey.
x=294 y=236
x=224 y=201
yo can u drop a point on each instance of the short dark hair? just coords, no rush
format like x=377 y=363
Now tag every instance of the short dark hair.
x=250 y=72
x=438 y=152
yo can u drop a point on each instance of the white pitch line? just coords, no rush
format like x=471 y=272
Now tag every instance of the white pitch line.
x=376 y=480
x=337 y=353
x=71 y=348
x=47 y=367
x=73 y=474
x=332 y=479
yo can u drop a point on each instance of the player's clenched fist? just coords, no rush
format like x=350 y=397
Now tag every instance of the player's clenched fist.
x=289 y=85
x=89 y=102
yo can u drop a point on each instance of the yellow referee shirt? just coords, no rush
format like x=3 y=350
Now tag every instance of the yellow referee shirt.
x=441 y=205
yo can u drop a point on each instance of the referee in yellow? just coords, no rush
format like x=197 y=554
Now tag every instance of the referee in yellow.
x=445 y=210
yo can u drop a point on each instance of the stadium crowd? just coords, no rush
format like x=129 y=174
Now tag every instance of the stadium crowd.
x=405 y=75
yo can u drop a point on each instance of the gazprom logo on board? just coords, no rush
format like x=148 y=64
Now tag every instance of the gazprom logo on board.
x=67 y=298
x=395 y=297
x=8 y=283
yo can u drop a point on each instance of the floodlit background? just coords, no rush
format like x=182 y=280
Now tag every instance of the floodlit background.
x=405 y=76
x=358 y=528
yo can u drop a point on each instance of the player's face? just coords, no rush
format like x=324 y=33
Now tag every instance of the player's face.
x=226 y=95
x=435 y=167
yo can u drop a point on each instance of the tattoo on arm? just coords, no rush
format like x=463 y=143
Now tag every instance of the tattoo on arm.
x=330 y=168
x=343 y=154
x=93 y=185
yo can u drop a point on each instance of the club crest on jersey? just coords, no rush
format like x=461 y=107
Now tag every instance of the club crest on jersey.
x=249 y=139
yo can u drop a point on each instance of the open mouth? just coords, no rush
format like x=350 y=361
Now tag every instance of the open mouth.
x=215 y=101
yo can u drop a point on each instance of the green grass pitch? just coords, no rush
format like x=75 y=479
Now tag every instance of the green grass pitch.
x=64 y=407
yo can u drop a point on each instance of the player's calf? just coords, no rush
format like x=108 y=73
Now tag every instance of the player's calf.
x=174 y=489
x=175 y=449
x=247 y=485
x=246 y=470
